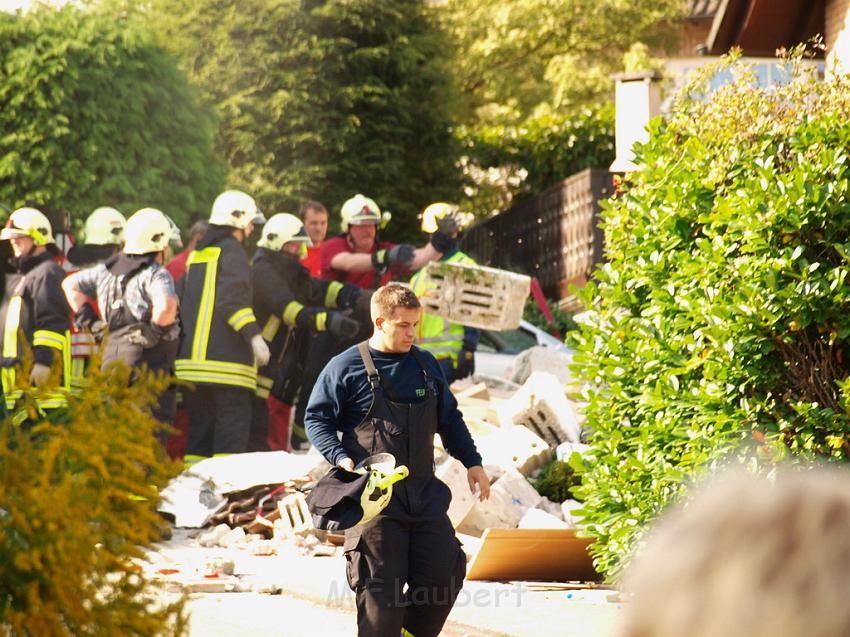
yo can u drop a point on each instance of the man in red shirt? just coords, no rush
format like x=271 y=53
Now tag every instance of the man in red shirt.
x=314 y=216
x=357 y=257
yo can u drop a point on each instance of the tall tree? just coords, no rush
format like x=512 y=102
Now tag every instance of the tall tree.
x=323 y=98
x=513 y=57
x=94 y=112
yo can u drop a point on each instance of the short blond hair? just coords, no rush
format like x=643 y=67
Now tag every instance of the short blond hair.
x=748 y=558
x=389 y=297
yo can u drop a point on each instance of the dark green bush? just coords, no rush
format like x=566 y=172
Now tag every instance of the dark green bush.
x=720 y=323
x=94 y=112
x=556 y=481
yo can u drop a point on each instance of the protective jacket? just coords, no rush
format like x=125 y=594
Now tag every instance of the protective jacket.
x=288 y=301
x=218 y=321
x=34 y=313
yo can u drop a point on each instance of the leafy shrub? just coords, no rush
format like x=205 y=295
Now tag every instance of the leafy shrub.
x=556 y=481
x=503 y=163
x=563 y=323
x=721 y=320
x=93 y=112
x=76 y=508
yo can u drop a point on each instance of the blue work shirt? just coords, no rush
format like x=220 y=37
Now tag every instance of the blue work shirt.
x=342 y=396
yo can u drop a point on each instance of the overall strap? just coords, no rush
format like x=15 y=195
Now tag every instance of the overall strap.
x=429 y=379
x=371 y=370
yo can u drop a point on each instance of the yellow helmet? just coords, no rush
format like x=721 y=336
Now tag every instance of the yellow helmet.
x=236 y=209
x=28 y=222
x=437 y=211
x=360 y=210
x=147 y=230
x=282 y=228
x=104 y=226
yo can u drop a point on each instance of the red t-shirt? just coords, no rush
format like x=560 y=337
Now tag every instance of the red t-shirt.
x=313 y=260
x=177 y=266
x=364 y=280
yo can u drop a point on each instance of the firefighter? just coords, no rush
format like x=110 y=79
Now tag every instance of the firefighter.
x=103 y=235
x=358 y=257
x=221 y=345
x=452 y=344
x=138 y=300
x=386 y=395
x=34 y=312
x=291 y=306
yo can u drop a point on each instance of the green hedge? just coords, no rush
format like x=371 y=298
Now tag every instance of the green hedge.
x=93 y=112
x=721 y=320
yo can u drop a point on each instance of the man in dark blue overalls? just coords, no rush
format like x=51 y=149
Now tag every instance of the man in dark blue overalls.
x=386 y=396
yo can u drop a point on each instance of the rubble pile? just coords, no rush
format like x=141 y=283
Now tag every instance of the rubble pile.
x=517 y=432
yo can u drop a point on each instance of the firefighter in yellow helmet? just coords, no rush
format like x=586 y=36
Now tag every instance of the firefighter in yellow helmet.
x=137 y=297
x=34 y=312
x=292 y=307
x=452 y=344
x=221 y=346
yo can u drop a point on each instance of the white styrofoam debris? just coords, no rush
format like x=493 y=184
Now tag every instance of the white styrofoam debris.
x=514 y=447
x=510 y=497
x=566 y=449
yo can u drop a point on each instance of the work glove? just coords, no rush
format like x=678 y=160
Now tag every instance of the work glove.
x=261 y=350
x=87 y=319
x=445 y=238
x=363 y=305
x=39 y=375
x=342 y=326
x=465 y=364
x=148 y=335
x=402 y=254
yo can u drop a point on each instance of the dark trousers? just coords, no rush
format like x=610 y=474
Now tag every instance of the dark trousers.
x=398 y=549
x=258 y=440
x=219 y=419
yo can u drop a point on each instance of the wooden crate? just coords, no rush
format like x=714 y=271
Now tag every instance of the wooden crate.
x=475 y=295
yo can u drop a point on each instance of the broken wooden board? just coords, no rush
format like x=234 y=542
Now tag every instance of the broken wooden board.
x=537 y=555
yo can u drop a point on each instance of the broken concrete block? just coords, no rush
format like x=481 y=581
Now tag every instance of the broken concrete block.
x=568 y=506
x=539 y=519
x=514 y=447
x=233 y=538
x=294 y=513
x=543 y=359
x=542 y=406
x=565 y=450
x=552 y=508
x=219 y=566
x=510 y=497
x=453 y=474
x=213 y=536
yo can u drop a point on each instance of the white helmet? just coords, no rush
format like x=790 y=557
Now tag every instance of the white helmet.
x=360 y=210
x=28 y=222
x=282 y=228
x=147 y=230
x=104 y=226
x=175 y=239
x=236 y=209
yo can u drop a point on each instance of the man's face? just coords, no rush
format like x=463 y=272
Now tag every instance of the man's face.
x=399 y=331
x=316 y=224
x=363 y=237
x=21 y=245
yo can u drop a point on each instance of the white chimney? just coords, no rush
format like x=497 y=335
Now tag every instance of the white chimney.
x=638 y=100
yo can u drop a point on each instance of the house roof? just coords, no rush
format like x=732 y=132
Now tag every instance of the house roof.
x=760 y=27
x=702 y=8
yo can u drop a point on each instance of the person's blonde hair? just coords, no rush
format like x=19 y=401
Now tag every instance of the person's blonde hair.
x=748 y=558
x=389 y=297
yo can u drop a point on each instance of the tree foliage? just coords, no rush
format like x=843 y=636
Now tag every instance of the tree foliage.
x=505 y=162
x=77 y=494
x=321 y=99
x=721 y=323
x=94 y=112
x=517 y=57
